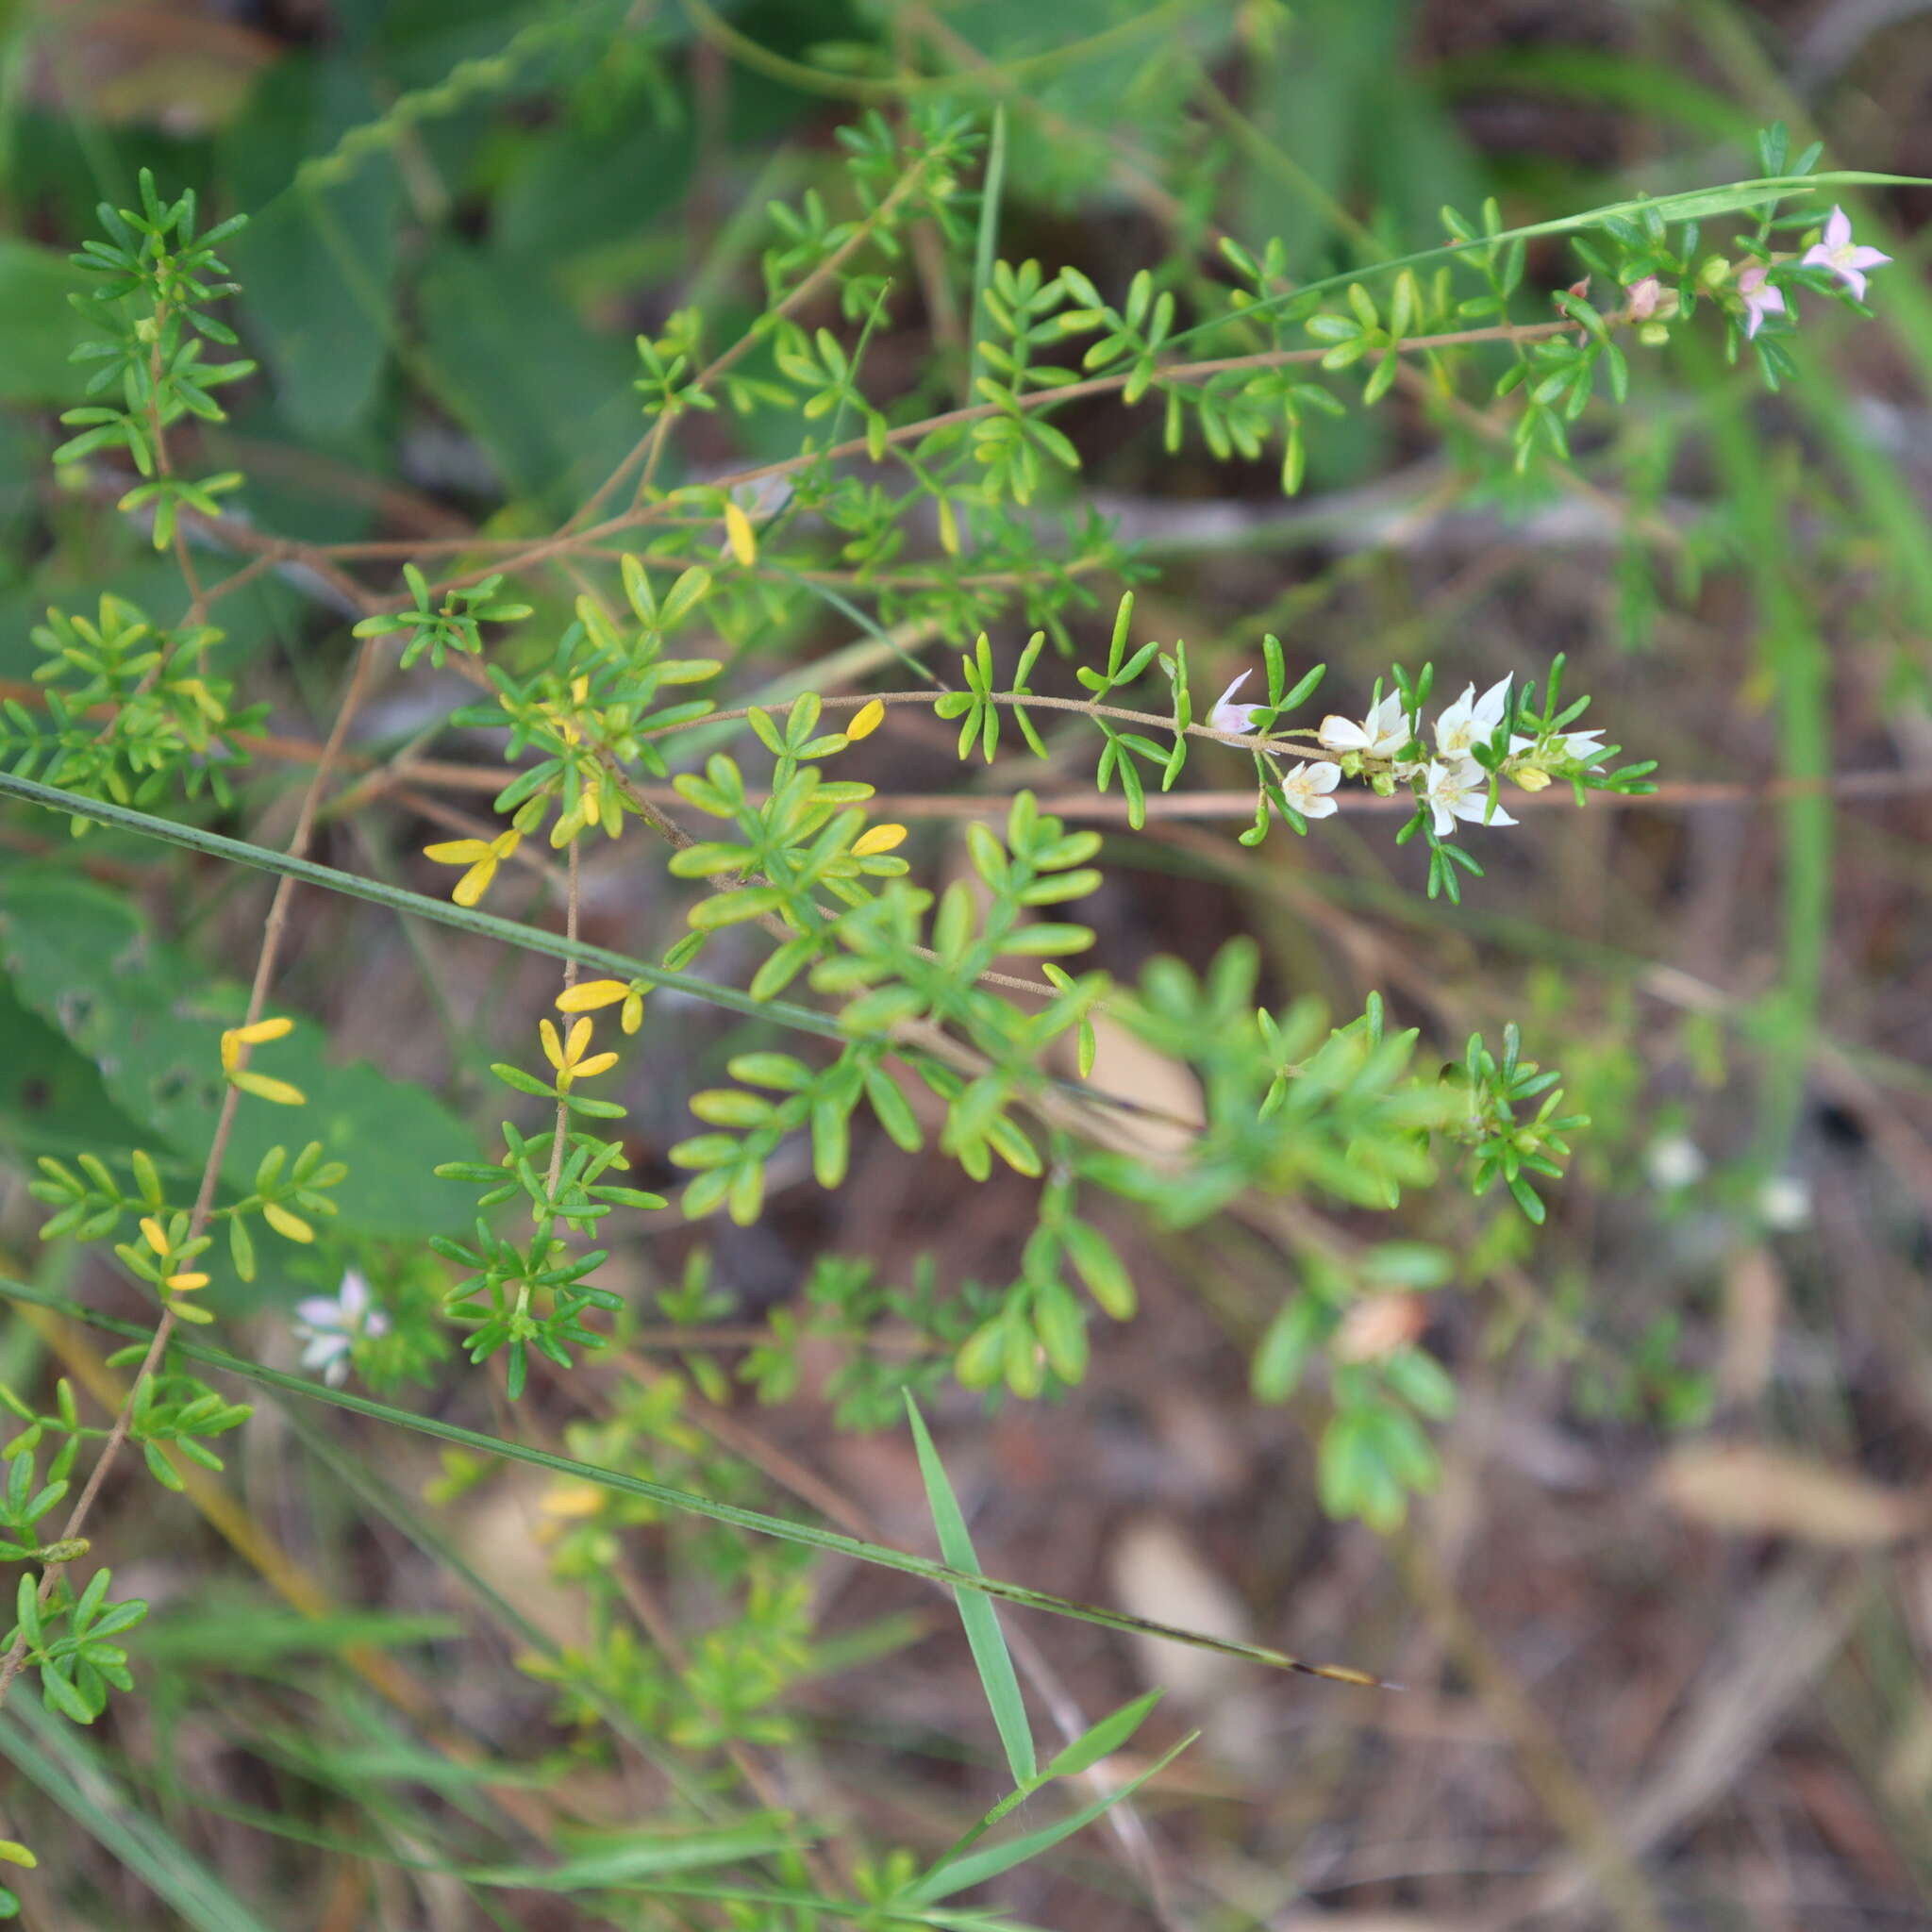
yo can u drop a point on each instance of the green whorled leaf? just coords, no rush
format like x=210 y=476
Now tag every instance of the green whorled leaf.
x=151 y=1021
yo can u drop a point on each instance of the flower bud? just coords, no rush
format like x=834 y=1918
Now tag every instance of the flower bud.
x=1532 y=777
x=1715 y=272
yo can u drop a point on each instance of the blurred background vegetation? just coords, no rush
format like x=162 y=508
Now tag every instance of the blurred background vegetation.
x=1666 y=1624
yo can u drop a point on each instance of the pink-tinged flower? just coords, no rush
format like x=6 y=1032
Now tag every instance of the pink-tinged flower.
x=1647 y=297
x=1461 y=790
x=1380 y=735
x=1306 y=787
x=1760 y=298
x=1236 y=719
x=1839 y=255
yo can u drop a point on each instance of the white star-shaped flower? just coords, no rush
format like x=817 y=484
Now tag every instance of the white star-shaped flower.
x=1471 y=719
x=1461 y=790
x=1380 y=735
x=1306 y=787
x=329 y=1323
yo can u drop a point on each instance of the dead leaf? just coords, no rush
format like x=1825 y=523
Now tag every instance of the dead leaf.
x=1751 y=1489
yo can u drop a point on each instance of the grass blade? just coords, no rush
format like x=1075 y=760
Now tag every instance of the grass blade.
x=440 y=911
x=998 y=1678
x=682 y=1500
x=956 y=1875
x=70 y=1770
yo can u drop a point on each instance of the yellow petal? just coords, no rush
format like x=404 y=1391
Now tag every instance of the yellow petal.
x=591 y=994
x=595 y=1064
x=737 y=533
x=258 y=1030
x=573 y=1499
x=506 y=843
x=155 y=1235
x=878 y=839
x=183 y=1283
x=634 y=1013
x=553 y=1047
x=474 y=882
x=263 y=1087
x=458 y=851
x=867 y=721
x=291 y=1225
x=576 y=1040
x=231 y=1050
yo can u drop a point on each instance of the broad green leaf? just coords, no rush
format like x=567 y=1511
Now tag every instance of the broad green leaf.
x=151 y=1021
x=39 y=326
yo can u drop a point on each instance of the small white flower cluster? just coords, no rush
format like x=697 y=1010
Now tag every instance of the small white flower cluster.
x=1454 y=784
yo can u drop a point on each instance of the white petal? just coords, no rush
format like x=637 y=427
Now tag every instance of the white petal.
x=323 y=1348
x=1342 y=734
x=1493 y=703
x=1838 y=228
x=1321 y=775
x=353 y=1292
x=319 y=1311
x=1315 y=808
x=1475 y=809
x=1866 y=258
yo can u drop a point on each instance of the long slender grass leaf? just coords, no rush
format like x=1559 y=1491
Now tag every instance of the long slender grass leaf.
x=991 y=1659
x=682 y=1500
